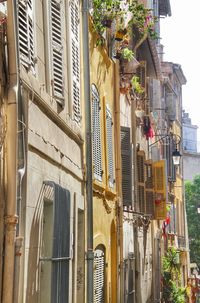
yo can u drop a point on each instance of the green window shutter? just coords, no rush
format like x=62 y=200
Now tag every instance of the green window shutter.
x=61 y=245
x=141 y=181
x=96 y=135
x=109 y=139
x=56 y=244
x=99 y=275
x=74 y=46
x=26 y=33
x=57 y=50
x=126 y=166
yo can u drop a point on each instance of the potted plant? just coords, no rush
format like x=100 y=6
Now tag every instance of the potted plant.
x=135 y=81
x=127 y=54
x=103 y=13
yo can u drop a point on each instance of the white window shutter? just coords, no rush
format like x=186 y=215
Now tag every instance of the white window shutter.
x=74 y=45
x=57 y=50
x=26 y=33
x=99 y=273
x=96 y=134
x=109 y=139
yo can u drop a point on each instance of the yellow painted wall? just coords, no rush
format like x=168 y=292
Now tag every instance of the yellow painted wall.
x=104 y=198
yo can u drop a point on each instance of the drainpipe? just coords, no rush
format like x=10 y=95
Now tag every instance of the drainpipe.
x=118 y=178
x=88 y=145
x=11 y=218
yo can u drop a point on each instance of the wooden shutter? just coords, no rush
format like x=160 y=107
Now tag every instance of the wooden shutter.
x=57 y=50
x=26 y=34
x=109 y=140
x=126 y=166
x=61 y=246
x=141 y=181
x=57 y=245
x=171 y=105
x=74 y=46
x=149 y=190
x=99 y=275
x=160 y=187
x=96 y=134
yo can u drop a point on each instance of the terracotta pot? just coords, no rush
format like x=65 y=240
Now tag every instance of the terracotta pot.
x=120 y=34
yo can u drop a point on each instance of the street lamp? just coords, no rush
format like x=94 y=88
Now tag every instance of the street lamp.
x=176 y=157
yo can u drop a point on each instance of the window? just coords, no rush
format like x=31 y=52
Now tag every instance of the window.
x=96 y=134
x=74 y=58
x=26 y=33
x=56 y=38
x=99 y=274
x=109 y=140
x=126 y=166
x=56 y=246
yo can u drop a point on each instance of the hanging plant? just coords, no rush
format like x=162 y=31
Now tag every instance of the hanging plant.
x=143 y=20
x=103 y=13
x=127 y=54
x=135 y=81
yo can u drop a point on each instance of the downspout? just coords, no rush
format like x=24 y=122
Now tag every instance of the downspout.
x=11 y=218
x=120 y=292
x=88 y=145
x=135 y=227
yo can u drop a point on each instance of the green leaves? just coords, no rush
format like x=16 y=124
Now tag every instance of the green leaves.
x=192 y=197
x=171 y=277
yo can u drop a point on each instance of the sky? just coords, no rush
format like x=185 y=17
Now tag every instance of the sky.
x=181 y=40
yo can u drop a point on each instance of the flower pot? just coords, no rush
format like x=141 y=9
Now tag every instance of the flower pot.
x=120 y=34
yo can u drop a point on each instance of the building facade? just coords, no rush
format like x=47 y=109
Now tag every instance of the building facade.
x=191 y=156
x=91 y=200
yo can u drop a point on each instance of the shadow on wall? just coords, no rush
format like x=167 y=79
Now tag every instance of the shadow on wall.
x=33 y=272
